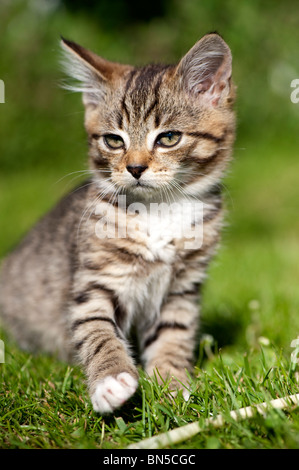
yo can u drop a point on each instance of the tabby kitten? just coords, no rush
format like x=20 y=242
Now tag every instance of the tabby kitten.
x=157 y=134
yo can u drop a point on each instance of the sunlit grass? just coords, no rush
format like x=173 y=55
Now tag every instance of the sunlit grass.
x=45 y=405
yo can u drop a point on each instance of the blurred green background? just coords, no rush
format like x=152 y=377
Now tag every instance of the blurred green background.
x=253 y=286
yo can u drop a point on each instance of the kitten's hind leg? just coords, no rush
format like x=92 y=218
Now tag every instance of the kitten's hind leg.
x=112 y=377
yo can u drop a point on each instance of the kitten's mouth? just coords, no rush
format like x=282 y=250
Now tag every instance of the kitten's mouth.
x=141 y=187
x=140 y=184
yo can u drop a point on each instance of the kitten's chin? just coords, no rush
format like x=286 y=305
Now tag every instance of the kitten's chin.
x=142 y=191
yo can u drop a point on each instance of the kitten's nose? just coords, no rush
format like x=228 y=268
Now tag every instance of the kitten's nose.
x=136 y=170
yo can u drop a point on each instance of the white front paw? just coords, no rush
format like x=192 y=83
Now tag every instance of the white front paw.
x=112 y=392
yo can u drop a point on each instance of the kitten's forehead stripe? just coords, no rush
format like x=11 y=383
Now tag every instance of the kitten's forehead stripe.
x=156 y=97
x=123 y=102
x=141 y=95
x=150 y=109
x=155 y=101
x=120 y=120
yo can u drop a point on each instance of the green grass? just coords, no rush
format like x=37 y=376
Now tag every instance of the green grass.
x=45 y=405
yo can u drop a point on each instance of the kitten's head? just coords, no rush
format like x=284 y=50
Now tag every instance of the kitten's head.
x=157 y=129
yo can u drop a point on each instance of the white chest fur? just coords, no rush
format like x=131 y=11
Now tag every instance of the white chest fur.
x=158 y=227
x=156 y=232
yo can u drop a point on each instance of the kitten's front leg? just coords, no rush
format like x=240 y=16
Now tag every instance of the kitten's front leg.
x=168 y=346
x=112 y=377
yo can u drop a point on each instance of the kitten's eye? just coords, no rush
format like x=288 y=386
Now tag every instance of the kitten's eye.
x=168 y=139
x=114 y=141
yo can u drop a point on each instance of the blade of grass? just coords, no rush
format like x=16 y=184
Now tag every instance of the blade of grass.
x=178 y=435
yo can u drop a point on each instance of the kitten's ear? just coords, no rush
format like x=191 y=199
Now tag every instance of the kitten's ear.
x=92 y=75
x=206 y=69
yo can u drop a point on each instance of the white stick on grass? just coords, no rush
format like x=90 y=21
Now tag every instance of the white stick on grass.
x=178 y=435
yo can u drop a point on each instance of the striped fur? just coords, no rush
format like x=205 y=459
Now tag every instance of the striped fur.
x=67 y=289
